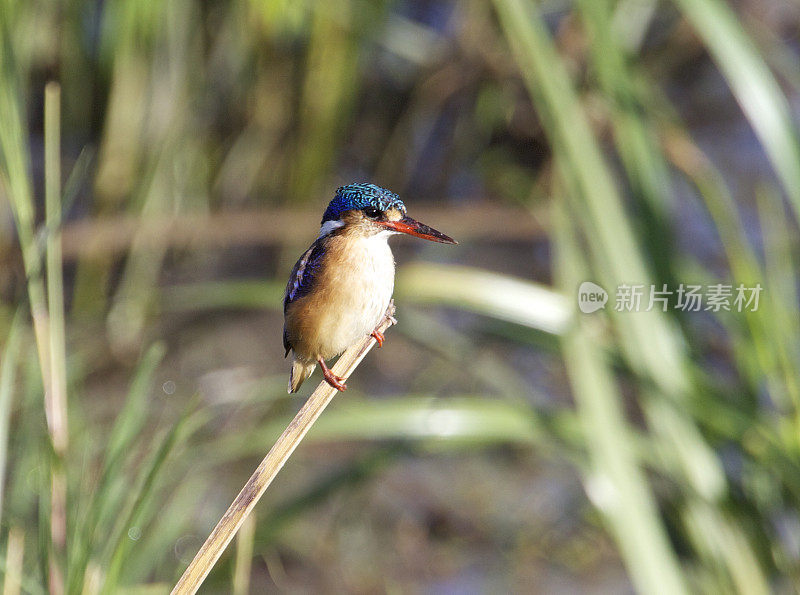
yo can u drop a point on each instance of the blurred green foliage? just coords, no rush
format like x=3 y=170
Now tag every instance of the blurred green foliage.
x=683 y=428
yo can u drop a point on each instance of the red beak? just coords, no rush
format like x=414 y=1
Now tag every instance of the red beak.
x=414 y=228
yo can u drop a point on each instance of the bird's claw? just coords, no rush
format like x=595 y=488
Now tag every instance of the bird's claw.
x=379 y=337
x=335 y=381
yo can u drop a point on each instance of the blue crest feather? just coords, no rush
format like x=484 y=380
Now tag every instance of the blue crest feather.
x=360 y=196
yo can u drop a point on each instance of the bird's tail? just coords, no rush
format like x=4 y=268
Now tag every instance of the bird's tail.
x=300 y=371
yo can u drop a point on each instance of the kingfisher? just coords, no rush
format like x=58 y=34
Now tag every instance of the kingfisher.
x=340 y=288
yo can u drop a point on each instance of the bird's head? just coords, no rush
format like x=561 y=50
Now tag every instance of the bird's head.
x=368 y=209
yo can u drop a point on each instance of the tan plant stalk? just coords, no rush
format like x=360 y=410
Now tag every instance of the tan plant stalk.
x=259 y=481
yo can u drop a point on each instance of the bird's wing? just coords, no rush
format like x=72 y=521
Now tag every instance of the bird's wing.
x=301 y=280
x=286 y=345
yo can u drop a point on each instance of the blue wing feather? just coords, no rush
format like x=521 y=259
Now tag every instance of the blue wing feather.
x=301 y=280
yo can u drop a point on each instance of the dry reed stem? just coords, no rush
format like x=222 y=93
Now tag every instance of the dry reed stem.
x=56 y=395
x=259 y=481
x=57 y=414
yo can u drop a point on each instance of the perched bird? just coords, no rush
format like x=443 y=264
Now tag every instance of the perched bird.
x=340 y=287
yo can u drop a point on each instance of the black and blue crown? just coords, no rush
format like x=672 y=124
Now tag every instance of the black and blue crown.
x=361 y=196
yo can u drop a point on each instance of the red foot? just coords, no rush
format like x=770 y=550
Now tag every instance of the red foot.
x=378 y=337
x=335 y=381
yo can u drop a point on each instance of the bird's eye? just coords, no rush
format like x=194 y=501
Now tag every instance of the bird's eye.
x=372 y=212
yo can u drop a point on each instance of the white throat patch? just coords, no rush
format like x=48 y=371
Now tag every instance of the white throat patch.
x=329 y=227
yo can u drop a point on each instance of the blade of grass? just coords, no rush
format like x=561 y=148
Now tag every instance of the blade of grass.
x=223 y=294
x=77 y=177
x=133 y=415
x=753 y=85
x=616 y=484
x=15 y=551
x=28 y=423
x=44 y=542
x=330 y=85
x=634 y=135
x=162 y=519
x=8 y=372
x=171 y=169
x=458 y=420
x=14 y=167
x=653 y=348
x=728 y=545
x=522 y=302
x=649 y=342
x=244 y=556
x=14 y=175
x=12 y=567
x=120 y=541
x=104 y=498
x=681 y=446
x=758 y=347
x=780 y=274
x=14 y=170
x=632 y=19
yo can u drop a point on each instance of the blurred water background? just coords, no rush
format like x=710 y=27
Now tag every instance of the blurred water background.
x=163 y=164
